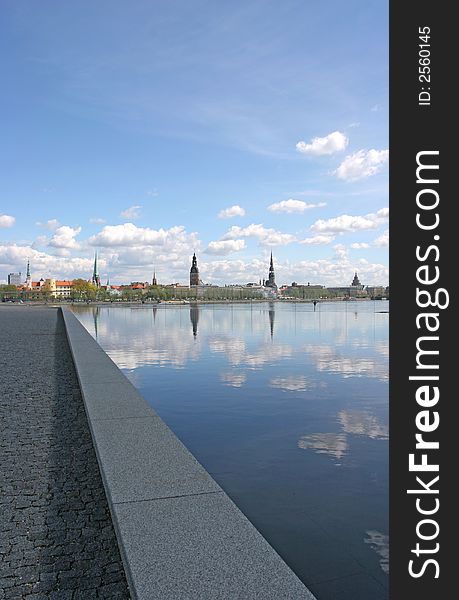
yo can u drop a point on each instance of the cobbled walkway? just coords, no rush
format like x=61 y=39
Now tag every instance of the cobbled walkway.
x=56 y=536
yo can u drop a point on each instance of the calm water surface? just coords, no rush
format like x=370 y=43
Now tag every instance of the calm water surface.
x=287 y=408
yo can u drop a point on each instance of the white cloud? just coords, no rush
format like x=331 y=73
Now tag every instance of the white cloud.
x=6 y=221
x=362 y=164
x=375 y=108
x=348 y=223
x=333 y=142
x=266 y=236
x=14 y=257
x=129 y=234
x=293 y=206
x=97 y=220
x=131 y=213
x=318 y=240
x=224 y=247
x=360 y=245
x=383 y=239
x=52 y=224
x=64 y=237
x=232 y=211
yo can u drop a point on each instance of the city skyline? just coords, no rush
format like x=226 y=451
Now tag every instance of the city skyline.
x=228 y=133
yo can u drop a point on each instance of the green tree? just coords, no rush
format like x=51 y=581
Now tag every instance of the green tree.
x=83 y=290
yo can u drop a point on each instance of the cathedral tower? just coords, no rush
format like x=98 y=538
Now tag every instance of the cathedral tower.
x=194 y=271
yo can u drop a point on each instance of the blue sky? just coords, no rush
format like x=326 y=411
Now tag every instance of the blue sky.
x=131 y=127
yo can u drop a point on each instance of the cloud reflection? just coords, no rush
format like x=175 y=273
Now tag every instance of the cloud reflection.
x=362 y=423
x=332 y=444
x=233 y=379
x=328 y=358
x=292 y=383
x=379 y=542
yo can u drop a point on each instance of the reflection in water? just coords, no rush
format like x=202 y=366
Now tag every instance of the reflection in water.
x=363 y=423
x=194 y=318
x=245 y=401
x=271 y=314
x=96 y=315
x=331 y=359
x=233 y=379
x=379 y=542
x=333 y=444
x=292 y=383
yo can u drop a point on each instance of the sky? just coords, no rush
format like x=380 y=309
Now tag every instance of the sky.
x=148 y=130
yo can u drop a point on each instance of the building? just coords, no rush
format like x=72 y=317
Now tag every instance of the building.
x=57 y=288
x=95 y=280
x=14 y=278
x=356 y=282
x=271 y=281
x=154 y=281
x=28 y=281
x=194 y=271
x=354 y=290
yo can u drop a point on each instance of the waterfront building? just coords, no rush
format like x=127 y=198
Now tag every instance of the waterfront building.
x=194 y=271
x=356 y=289
x=95 y=273
x=14 y=278
x=271 y=281
x=154 y=281
x=356 y=282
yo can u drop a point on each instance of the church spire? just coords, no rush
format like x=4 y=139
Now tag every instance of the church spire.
x=95 y=273
x=271 y=281
x=28 y=276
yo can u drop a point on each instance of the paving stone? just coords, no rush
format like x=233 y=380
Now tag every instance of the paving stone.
x=51 y=489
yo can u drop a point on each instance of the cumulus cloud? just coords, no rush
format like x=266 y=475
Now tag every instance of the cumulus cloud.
x=266 y=236
x=232 y=211
x=52 y=224
x=64 y=237
x=6 y=221
x=129 y=234
x=348 y=223
x=131 y=213
x=318 y=240
x=359 y=245
x=362 y=164
x=331 y=143
x=383 y=239
x=293 y=206
x=224 y=247
x=14 y=257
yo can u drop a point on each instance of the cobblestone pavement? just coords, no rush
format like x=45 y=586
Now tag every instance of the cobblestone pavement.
x=56 y=536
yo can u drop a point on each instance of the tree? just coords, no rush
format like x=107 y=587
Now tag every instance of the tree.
x=83 y=290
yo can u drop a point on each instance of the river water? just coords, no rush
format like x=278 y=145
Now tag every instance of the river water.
x=287 y=408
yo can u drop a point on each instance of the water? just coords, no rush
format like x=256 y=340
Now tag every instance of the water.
x=287 y=408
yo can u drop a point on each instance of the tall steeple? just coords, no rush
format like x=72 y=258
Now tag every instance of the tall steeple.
x=95 y=274
x=271 y=282
x=153 y=281
x=194 y=271
x=28 y=276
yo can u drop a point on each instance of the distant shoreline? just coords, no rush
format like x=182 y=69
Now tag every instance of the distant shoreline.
x=54 y=303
